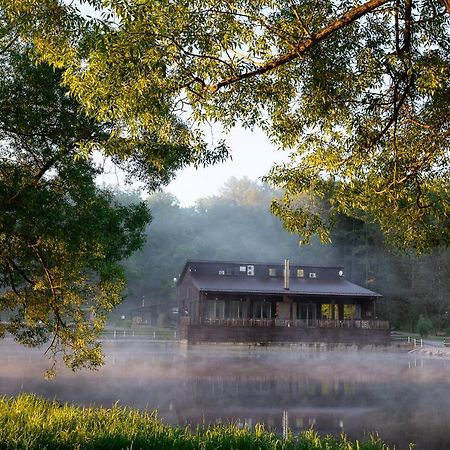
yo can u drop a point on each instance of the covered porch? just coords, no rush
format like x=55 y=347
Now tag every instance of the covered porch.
x=284 y=309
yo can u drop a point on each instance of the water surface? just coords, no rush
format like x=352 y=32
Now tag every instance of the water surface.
x=402 y=397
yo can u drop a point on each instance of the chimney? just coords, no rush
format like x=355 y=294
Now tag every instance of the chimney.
x=286 y=274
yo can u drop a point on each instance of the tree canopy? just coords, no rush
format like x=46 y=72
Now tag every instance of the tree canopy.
x=61 y=236
x=358 y=91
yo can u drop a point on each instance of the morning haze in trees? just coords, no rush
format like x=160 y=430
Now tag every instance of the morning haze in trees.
x=358 y=91
x=237 y=225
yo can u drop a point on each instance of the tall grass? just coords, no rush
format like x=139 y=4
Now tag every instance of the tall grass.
x=29 y=422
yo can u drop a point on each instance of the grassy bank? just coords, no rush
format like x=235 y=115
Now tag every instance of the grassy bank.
x=29 y=422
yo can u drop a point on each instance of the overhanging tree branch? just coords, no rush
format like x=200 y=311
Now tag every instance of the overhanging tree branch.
x=344 y=20
x=446 y=3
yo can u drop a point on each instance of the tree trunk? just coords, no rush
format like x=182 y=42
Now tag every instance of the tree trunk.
x=446 y=3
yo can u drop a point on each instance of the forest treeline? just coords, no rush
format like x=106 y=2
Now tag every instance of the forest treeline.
x=236 y=224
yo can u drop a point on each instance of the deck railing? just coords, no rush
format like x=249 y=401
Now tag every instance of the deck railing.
x=310 y=323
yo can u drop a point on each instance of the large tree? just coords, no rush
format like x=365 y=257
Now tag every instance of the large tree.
x=357 y=90
x=61 y=236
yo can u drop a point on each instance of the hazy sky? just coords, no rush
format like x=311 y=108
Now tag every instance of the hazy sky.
x=253 y=155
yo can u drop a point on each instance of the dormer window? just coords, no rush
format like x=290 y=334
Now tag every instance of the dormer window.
x=312 y=275
x=272 y=272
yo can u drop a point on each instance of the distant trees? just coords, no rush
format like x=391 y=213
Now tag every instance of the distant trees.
x=236 y=225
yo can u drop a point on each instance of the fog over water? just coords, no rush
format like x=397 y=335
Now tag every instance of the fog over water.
x=403 y=397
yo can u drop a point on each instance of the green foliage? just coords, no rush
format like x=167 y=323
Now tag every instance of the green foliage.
x=424 y=326
x=358 y=91
x=61 y=237
x=31 y=423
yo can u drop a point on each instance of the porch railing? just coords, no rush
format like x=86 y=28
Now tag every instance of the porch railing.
x=310 y=323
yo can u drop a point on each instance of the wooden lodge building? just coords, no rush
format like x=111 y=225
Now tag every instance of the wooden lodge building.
x=226 y=301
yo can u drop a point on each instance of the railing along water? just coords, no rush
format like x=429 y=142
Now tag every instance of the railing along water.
x=304 y=323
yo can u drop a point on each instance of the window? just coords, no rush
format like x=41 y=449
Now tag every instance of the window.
x=262 y=310
x=312 y=275
x=221 y=272
x=349 y=311
x=300 y=273
x=272 y=272
x=250 y=270
x=238 y=309
x=229 y=272
x=242 y=269
x=215 y=309
x=341 y=273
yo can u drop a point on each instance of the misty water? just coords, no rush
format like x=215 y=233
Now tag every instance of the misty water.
x=405 y=398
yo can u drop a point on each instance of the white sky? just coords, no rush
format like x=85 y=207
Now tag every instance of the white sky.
x=252 y=157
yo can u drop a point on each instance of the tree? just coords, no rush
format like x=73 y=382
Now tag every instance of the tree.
x=424 y=326
x=358 y=90
x=60 y=236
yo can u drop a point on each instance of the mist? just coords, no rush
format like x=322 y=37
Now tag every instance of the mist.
x=402 y=397
x=237 y=225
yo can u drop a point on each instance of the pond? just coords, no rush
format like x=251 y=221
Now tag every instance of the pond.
x=402 y=397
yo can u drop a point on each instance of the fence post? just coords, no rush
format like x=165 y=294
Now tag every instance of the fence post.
x=285 y=424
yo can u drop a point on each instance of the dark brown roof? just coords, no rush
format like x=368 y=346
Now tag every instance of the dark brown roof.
x=275 y=286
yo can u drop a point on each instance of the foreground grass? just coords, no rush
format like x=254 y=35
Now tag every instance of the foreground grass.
x=29 y=422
